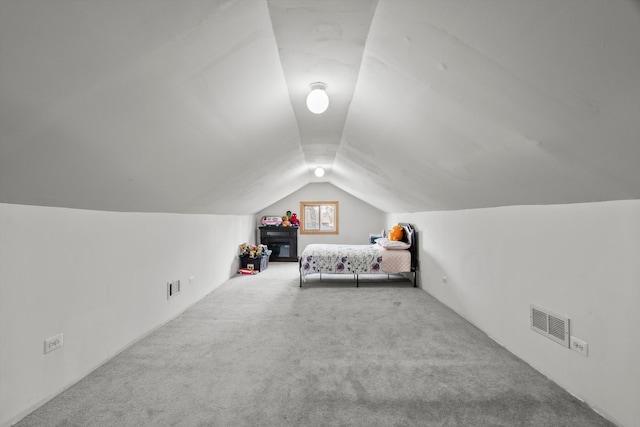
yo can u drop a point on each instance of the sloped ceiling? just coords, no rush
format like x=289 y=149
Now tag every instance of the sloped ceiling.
x=198 y=106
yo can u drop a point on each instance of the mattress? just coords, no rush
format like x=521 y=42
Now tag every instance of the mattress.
x=353 y=259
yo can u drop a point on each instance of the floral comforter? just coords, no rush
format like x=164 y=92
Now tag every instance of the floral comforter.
x=341 y=259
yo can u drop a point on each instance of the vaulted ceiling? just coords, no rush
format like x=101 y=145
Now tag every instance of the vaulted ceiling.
x=198 y=106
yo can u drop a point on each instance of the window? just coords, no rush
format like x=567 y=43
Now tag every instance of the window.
x=319 y=218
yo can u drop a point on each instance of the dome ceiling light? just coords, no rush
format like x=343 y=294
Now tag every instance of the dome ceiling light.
x=319 y=172
x=318 y=100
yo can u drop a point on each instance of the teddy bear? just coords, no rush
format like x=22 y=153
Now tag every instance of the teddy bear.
x=294 y=220
x=285 y=221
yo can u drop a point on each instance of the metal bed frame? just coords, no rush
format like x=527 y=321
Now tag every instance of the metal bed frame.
x=410 y=237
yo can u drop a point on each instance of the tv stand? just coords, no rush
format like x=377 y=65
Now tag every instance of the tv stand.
x=282 y=241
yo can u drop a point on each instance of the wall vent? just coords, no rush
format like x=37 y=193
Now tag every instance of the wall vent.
x=551 y=325
x=173 y=288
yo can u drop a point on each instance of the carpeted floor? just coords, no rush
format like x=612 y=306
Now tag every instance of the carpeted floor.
x=260 y=351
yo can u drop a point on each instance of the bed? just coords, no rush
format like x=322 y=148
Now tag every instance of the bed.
x=384 y=257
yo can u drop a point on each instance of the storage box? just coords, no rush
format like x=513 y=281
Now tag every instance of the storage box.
x=259 y=264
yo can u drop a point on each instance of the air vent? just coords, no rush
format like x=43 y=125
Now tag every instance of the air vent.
x=551 y=325
x=173 y=288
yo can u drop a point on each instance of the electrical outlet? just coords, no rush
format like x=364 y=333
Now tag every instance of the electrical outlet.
x=52 y=343
x=444 y=279
x=192 y=280
x=579 y=346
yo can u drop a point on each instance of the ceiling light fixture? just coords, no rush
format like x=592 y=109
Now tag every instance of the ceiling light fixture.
x=319 y=172
x=318 y=100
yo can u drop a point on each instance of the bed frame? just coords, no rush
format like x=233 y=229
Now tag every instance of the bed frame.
x=410 y=236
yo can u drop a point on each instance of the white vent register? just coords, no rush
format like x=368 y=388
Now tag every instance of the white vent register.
x=173 y=289
x=551 y=325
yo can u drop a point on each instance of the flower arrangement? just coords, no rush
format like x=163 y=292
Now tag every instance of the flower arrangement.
x=253 y=251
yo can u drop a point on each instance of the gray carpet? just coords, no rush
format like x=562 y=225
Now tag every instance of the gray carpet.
x=260 y=351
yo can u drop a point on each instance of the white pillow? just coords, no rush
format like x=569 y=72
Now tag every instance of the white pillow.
x=392 y=244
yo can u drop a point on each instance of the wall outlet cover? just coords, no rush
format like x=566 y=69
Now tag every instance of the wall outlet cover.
x=580 y=346
x=53 y=343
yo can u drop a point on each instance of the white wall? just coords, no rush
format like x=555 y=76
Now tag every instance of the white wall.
x=357 y=218
x=579 y=260
x=100 y=279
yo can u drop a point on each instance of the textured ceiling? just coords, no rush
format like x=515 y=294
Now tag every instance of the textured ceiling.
x=198 y=106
